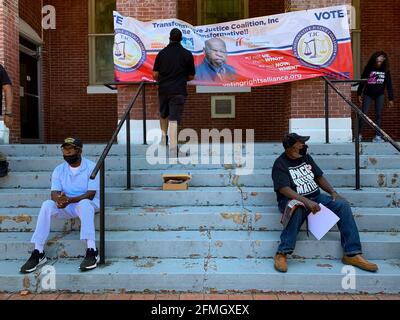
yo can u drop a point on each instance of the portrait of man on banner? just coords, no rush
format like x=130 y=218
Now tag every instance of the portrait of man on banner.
x=214 y=67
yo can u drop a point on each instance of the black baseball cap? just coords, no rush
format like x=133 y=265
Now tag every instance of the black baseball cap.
x=76 y=142
x=291 y=138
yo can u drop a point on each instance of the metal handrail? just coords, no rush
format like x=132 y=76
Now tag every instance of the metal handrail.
x=100 y=165
x=359 y=114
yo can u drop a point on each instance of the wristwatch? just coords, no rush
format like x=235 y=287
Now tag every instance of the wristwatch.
x=8 y=114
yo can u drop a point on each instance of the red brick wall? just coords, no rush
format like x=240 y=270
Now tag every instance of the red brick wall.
x=264 y=110
x=9 y=56
x=260 y=8
x=380 y=30
x=69 y=110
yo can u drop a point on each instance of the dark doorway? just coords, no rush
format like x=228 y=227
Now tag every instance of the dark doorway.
x=29 y=93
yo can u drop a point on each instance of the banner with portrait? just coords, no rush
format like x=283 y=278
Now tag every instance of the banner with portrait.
x=251 y=52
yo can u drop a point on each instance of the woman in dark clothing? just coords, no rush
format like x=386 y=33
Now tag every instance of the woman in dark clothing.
x=378 y=74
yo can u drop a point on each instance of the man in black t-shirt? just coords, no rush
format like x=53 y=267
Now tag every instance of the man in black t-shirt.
x=297 y=176
x=173 y=67
x=5 y=85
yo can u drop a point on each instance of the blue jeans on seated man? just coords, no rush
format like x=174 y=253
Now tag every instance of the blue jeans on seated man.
x=349 y=236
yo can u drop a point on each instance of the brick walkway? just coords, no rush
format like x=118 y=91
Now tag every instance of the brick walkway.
x=194 y=296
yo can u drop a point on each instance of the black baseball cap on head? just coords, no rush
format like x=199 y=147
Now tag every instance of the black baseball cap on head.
x=175 y=35
x=76 y=142
x=291 y=138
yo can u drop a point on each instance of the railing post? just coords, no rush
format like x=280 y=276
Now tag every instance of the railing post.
x=144 y=114
x=102 y=214
x=326 y=112
x=357 y=153
x=128 y=151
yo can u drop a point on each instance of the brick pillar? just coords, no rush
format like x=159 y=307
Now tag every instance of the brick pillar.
x=144 y=11
x=306 y=101
x=9 y=57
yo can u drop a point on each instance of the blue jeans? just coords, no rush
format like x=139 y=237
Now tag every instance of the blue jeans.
x=349 y=236
x=379 y=100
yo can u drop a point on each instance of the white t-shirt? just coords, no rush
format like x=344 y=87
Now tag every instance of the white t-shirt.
x=77 y=183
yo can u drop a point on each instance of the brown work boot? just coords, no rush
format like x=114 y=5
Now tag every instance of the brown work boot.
x=360 y=262
x=280 y=262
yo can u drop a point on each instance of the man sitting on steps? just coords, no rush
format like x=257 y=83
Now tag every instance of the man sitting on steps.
x=297 y=176
x=73 y=194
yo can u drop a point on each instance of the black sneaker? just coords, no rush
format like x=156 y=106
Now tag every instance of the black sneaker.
x=90 y=261
x=36 y=260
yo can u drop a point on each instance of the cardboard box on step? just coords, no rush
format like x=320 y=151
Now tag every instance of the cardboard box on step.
x=176 y=181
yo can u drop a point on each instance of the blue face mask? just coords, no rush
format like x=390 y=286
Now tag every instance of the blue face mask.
x=303 y=151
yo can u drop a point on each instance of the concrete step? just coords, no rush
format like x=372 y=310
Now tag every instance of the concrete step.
x=208 y=178
x=118 y=163
x=192 y=218
x=202 y=275
x=259 y=148
x=199 y=196
x=198 y=244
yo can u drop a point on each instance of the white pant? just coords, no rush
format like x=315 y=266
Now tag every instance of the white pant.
x=84 y=209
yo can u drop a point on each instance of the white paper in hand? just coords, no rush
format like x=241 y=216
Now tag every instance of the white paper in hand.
x=320 y=223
